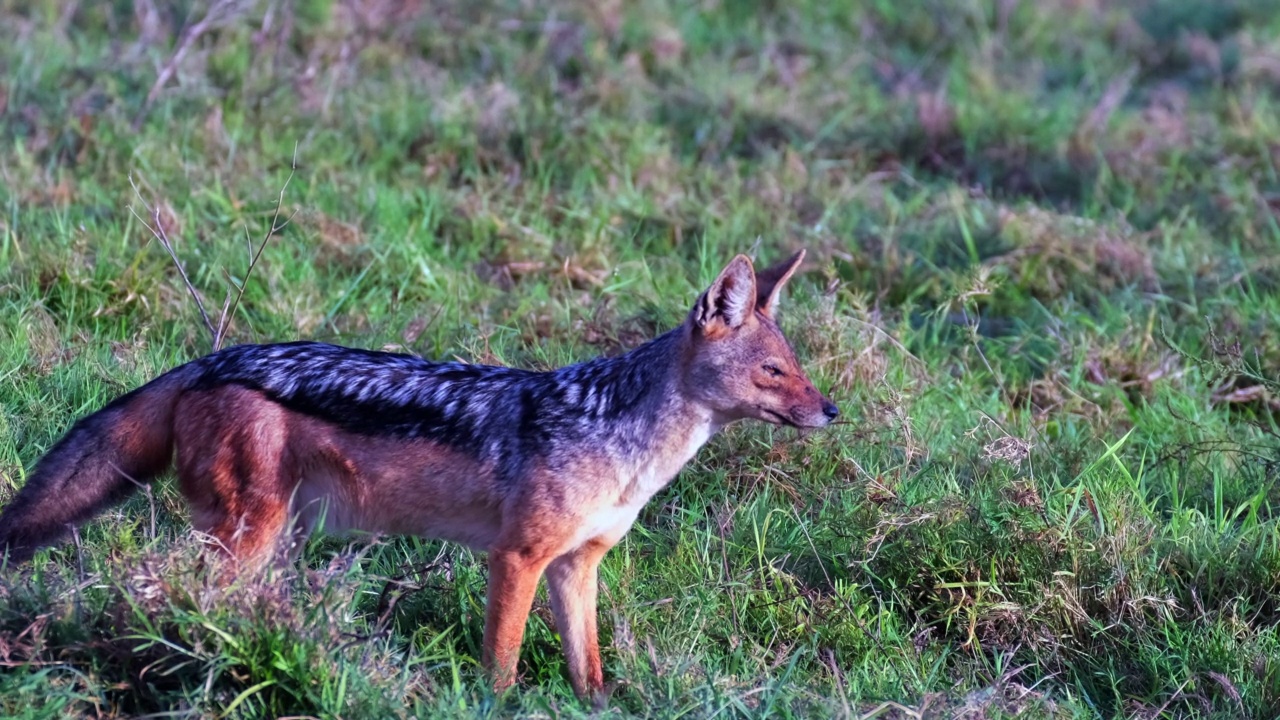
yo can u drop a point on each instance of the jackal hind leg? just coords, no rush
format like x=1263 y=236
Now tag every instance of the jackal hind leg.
x=237 y=478
x=247 y=523
x=573 y=580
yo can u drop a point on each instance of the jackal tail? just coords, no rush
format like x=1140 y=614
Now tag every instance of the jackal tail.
x=102 y=460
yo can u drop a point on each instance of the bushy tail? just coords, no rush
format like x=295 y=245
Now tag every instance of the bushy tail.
x=102 y=460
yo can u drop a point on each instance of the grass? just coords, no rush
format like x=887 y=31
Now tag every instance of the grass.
x=1042 y=285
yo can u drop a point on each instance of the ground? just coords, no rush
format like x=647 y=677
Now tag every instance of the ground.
x=1042 y=284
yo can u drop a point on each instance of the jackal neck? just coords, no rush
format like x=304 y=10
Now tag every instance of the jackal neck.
x=635 y=409
x=628 y=398
x=642 y=384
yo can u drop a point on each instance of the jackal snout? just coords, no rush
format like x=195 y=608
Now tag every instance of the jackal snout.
x=815 y=410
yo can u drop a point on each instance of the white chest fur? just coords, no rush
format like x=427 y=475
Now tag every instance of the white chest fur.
x=641 y=482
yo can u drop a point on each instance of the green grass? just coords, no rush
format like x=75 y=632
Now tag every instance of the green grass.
x=1043 y=280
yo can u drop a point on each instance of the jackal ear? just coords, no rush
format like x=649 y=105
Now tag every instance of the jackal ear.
x=730 y=300
x=769 y=283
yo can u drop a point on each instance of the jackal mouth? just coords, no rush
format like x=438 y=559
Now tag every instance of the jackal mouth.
x=778 y=418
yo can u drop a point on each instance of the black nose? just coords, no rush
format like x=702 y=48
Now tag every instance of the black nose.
x=830 y=410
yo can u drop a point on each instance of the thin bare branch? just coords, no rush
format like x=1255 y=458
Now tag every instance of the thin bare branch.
x=235 y=291
x=276 y=226
x=162 y=237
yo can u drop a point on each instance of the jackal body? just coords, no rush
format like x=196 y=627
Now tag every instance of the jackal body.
x=544 y=470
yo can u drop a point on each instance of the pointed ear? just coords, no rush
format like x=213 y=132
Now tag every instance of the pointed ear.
x=769 y=283
x=730 y=301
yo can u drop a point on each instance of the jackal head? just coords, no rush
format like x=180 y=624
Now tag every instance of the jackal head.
x=739 y=364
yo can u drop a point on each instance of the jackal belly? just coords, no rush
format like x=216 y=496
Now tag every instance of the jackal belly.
x=322 y=503
x=398 y=487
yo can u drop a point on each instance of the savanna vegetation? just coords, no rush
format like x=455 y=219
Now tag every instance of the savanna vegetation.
x=1043 y=285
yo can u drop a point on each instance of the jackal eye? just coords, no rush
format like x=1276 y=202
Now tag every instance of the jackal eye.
x=773 y=370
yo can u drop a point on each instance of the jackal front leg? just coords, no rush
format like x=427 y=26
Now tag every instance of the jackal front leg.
x=573 y=579
x=513 y=579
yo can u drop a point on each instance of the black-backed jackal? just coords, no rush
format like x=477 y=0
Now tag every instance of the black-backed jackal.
x=544 y=470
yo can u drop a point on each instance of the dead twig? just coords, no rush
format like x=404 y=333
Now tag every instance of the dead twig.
x=231 y=301
x=162 y=236
x=224 y=322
